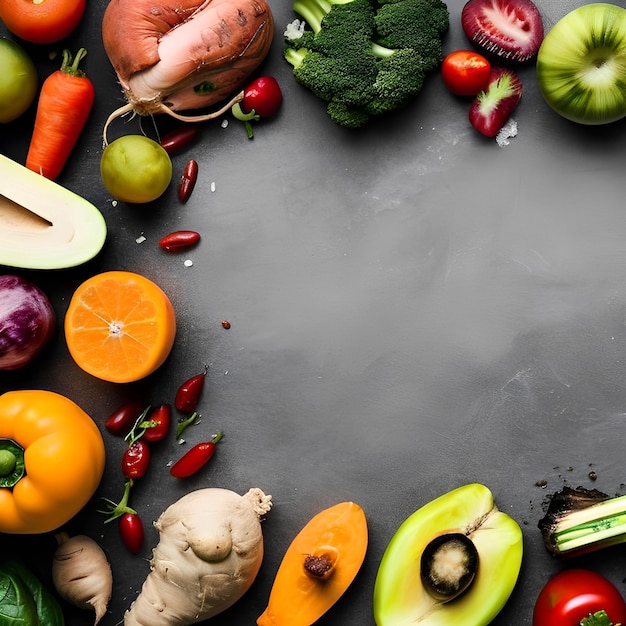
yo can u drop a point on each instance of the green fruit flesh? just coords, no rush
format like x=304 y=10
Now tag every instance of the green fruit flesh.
x=44 y=225
x=400 y=597
x=581 y=64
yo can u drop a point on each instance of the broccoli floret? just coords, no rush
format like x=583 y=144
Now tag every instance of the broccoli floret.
x=365 y=57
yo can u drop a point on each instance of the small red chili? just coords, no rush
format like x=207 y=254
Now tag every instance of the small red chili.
x=188 y=394
x=136 y=459
x=195 y=458
x=179 y=240
x=261 y=99
x=157 y=423
x=188 y=180
x=123 y=418
x=131 y=531
x=179 y=138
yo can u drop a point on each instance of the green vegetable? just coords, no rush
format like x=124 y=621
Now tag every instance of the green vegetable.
x=24 y=601
x=597 y=619
x=365 y=57
x=583 y=520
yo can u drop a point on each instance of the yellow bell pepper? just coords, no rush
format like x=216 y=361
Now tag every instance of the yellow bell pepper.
x=52 y=459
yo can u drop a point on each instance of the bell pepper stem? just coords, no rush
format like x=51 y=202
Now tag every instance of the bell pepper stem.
x=12 y=466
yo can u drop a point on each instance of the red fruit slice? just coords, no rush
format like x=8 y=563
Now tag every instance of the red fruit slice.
x=492 y=107
x=509 y=29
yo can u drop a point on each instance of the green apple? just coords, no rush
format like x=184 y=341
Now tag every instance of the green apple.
x=401 y=597
x=581 y=64
x=18 y=80
x=44 y=225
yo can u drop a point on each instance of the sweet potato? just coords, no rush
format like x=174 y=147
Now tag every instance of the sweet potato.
x=209 y=552
x=172 y=56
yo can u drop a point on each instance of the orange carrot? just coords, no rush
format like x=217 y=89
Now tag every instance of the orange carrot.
x=65 y=101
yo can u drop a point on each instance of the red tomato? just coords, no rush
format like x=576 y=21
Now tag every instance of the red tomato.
x=47 y=21
x=131 y=531
x=263 y=95
x=573 y=594
x=465 y=72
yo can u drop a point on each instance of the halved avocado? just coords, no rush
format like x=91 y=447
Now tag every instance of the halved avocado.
x=44 y=225
x=400 y=596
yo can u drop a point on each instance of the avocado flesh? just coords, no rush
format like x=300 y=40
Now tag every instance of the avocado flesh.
x=400 y=597
x=44 y=225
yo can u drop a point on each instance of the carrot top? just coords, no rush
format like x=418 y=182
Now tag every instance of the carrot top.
x=70 y=66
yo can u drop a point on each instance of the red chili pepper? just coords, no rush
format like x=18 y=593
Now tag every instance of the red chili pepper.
x=179 y=138
x=131 y=531
x=157 y=423
x=188 y=180
x=136 y=459
x=188 y=394
x=123 y=419
x=179 y=240
x=195 y=458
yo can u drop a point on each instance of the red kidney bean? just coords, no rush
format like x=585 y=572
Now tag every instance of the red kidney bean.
x=157 y=423
x=195 y=458
x=179 y=240
x=136 y=459
x=131 y=531
x=188 y=180
x=179 y=138
x=123 y=418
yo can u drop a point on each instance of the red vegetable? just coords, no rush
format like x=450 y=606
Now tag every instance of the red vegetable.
x=179 y=138
x=179 y=240
x=195 y=458
x=65 y=102
x=188 y=394
x=263 y=96
x=27 y=321
x=122 y=420
x=131 y=531
x=465 y=72
x=136 y=459
x=510 y=29
x=188 y=180
x=492 y=107
x=573 y=594
x=157 y=423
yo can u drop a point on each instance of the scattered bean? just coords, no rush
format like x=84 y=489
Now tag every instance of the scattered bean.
x=188 y=180
x=179 y=138
x=225 y=324
x=179 y=240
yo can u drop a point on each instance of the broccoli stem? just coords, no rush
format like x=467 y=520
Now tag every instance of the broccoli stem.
x=313 y=11
x=591 y=528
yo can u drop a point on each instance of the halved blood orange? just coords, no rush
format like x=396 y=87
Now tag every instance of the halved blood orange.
x=119 y=326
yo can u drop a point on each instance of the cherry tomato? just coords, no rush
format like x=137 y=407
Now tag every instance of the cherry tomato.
x=131 y=531
x=123 y=419
x=573 y=594
x=188 y=394
x=465 y=73
x=263 y=95
x=42 y=22
x=136 y=459
x=161 y=418
x=195 y=458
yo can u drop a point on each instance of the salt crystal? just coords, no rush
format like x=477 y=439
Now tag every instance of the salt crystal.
x=506 y=132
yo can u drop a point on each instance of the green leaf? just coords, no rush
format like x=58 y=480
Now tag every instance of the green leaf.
x=600 y=618
x=17 y=607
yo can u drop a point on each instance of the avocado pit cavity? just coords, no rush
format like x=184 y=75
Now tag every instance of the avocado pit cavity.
x=448 y=566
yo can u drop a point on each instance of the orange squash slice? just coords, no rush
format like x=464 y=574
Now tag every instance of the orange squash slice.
x=318 y=567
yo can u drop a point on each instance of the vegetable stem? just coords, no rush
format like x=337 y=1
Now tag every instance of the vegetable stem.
x=194 y=418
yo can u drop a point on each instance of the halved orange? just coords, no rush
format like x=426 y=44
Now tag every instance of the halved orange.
x=119 y=326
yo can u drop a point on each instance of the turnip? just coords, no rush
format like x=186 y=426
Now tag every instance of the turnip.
x=81 y=573
x=190 y=54
x=27 y=321
x=209 y=552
